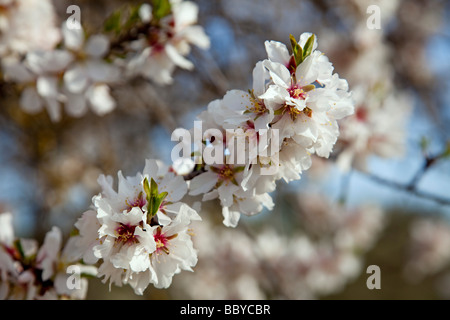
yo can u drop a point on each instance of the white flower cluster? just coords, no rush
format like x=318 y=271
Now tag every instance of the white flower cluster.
x=78 y=72
x=140 y=233
x=164 y=47
x=290 y=113
x=30 y=272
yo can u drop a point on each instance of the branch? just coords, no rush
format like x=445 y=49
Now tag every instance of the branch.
x=409 y=188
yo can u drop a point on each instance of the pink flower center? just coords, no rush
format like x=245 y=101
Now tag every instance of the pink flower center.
x=361 y=114
x=162 y=241
x=125 y=234
x=297 y=92
x=225 y=173
x=139 y=201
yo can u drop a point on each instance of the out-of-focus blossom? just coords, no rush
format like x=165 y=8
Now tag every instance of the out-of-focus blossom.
x=308 y=264
x=23 y=28
x=29 y=272
x=378 y=127
x=428 y=248
x=165 y=46
x=86 y=80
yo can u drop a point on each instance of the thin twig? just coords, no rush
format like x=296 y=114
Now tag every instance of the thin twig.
x=409 y=188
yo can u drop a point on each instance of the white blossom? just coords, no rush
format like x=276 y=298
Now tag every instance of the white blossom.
x=27 y=25
x=168 y=44
x=139 y=232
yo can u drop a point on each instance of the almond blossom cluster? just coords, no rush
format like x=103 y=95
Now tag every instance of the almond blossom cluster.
x=75 y=71
x=270 y=132
x=28 y=271
x=140 y=233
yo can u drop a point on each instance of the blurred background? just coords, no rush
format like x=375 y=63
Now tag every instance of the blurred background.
x=389 y=209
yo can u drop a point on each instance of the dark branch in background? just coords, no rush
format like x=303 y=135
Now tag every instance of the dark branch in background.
x=412 y=187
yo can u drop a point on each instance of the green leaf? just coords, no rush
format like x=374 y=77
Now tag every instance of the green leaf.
x=18 y=245
x=154 y=198
x=112 y=23
x=308 y=46
x=147 y=188
x=296 y=50
x=153 y=188
x=157 y=202
x=133 y=17
x=238 y=169
x=161 y=8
